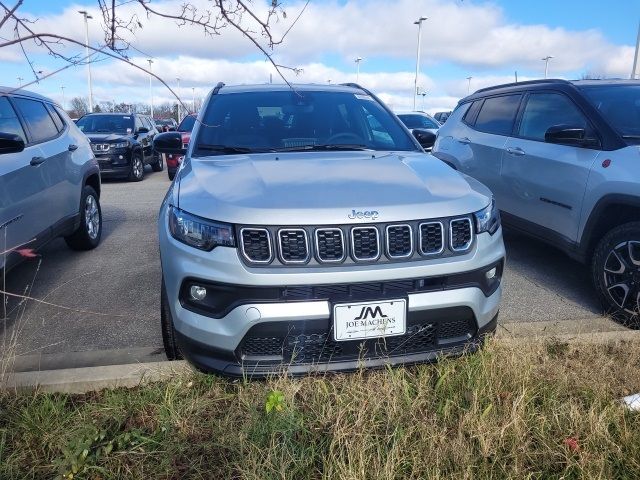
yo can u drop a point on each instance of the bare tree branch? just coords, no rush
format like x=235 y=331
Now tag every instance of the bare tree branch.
x=9 y=13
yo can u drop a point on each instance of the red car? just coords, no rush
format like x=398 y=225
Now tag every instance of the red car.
x=185 y=127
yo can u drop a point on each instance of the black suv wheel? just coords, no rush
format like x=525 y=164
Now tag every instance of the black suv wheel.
x=616 y=273
x=158 y=166
x=137 y=168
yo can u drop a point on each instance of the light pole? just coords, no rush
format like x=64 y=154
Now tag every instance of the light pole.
x=424 y=94
x=150 y=86
x=20 y=81
x=63 y=100
x=179 y=102
x=358 y=60
x=469 y=85
x=415 y=83
x=635 y=57
x=193 y=98
x=546 y=64
x=86 y=51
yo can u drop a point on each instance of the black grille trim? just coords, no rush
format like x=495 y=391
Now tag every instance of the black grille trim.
x=354 y=249
x=420 y=238
x=388 y=240
x=285 y=231
x=453 y=242
x=243 y=249
x=342 y=245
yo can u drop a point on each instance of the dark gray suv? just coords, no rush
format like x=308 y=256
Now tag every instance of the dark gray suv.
x=563 y=161
x=49 y=178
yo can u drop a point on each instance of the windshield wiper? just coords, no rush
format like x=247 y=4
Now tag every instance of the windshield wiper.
x=223 y=148
x=332 y=146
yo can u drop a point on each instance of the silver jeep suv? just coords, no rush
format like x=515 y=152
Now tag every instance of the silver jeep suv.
x=563 y=161
x=307 y=230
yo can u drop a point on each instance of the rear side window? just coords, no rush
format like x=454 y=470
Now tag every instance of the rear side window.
x=497 y=114
x=56 y=118
x=9 y=122
x=39 y=122
x=544 y=110
x=470 y=117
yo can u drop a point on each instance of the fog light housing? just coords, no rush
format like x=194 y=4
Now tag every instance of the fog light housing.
x=197 y=292
x=491 y=274
x=120 y=157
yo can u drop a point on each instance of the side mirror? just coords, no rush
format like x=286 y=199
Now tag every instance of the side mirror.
x=569 y=135
x=425 y=139
x=11 y=143
x=142 y=130
x=169 y=142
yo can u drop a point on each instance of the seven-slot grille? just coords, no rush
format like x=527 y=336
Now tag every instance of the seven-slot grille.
x=365 y=243
x=362 y=243
x=399 y=241
x=256 y=244
x=431 y=238
x=294 y=247
x=330 y=245
x=461 y=234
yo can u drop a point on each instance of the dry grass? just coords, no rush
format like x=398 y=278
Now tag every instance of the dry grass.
x=548 y=410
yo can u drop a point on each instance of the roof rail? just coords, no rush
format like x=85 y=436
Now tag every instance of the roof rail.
x=527 y=82
x=353 y=85
x=217 y=88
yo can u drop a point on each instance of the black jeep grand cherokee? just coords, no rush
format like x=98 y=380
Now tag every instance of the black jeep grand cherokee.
x=122 y=143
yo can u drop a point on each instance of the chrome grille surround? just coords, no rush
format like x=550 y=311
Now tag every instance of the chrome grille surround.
x=316 y=235
x=453 y=242
x=420 y=238
x=388 y=242
x=243 y=247
x=353 y=232
x=281 y=249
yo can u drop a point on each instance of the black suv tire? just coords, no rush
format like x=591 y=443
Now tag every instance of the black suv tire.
x=171 y=349
x=158 y=166
x=136 y=174
x=88 y=234
x=616 y=273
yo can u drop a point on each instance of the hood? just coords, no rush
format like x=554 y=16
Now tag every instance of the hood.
x=106 y=137
x=316 y=188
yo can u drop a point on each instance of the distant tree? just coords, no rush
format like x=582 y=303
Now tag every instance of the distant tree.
x=79 y=107
x=97 y=109
x=105 y=106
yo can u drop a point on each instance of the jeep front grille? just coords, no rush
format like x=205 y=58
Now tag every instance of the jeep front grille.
x=294 y=247
x=461 y=234
x=330 y=245
x=431 y=238
x=365 y=243
x=256 y=245
x=399 y=241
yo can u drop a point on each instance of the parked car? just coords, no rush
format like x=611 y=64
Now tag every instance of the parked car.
x=419 y=122
x=49 y=179
x=165 y=124
x=122 y=143
x=562 y=160
x=442 y=117
x=307 y=230
x=172 y=160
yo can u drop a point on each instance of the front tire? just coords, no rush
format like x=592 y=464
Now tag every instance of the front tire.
x=171 y=348
x=88 y=234
x=136 y=174
x=159 y=165
x=172 y=174
x=616 y=273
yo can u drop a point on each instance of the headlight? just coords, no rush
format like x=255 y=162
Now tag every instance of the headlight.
x=120 y=145
x=488 y=219
x=199 y=232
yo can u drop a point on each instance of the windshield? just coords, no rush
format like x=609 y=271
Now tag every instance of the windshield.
x=619 y=105
x=303 y=120
x=187 y=123
x=415 y=120
x=164 y=122
x=105 y=124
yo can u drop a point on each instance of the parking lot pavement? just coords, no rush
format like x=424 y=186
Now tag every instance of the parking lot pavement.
x=120 y=281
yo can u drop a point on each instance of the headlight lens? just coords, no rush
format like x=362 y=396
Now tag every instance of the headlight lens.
x=120 y=145
x=488 y=219
x=199 y=232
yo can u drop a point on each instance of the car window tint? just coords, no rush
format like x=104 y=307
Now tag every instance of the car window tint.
x=138 y=124
x=472 y=112
x=418 y=121
x=9 y=122
x=187 y=124
x=56 y=118
x=497 y=114
x=37 y=117
x=544 y=110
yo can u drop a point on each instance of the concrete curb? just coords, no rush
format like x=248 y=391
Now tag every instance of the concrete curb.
x=87 y=379
x=82 y=380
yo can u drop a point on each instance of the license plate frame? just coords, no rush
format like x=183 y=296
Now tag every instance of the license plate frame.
x=369 y=319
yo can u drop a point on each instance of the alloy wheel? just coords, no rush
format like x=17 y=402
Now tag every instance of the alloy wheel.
x=622 y=276
x=137 y=167
x=92 y=217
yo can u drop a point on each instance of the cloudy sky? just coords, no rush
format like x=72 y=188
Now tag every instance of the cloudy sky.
x=486 y=40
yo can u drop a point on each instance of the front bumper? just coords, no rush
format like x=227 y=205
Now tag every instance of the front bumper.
x=114 y=165
x=263 y=337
